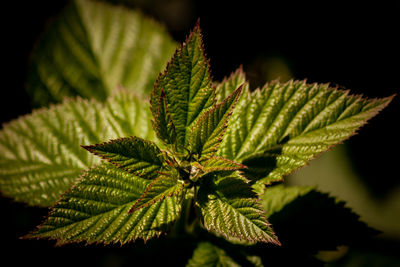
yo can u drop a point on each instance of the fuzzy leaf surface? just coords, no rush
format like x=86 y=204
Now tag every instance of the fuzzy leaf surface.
x=93 y=47
x=162 y=187
x=96 y=210
x=207 y=133
x=322 y=221
x=229 y=207
x=281 y=127
x=41 y=154
x=187 y=85
x=209 y=255
x=132 y=154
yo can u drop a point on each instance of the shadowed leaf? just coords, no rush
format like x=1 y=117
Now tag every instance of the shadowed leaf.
x=208 y=255
x=308 y=220
x=94 y=47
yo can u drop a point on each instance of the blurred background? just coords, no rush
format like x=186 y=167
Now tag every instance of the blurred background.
x=351 y=46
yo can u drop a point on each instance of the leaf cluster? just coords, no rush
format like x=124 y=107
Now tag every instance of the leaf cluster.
x=201 y=154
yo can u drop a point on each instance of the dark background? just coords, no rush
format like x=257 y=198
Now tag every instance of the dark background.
x=353 y=46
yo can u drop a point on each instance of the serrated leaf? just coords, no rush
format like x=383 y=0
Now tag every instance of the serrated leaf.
x=221 y=164
x=162 y=187
x=322 y=222
x=93 y=47
x=277 y=197
x=208 y=255
x=231 y=83
x=96 y=210
x=187 y=85
x=229 y=207
x=163 y=124
x=207 y=133
x=294 y=120
x=41 y=154
x=132 y=154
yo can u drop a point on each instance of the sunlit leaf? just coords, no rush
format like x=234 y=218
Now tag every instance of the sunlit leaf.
x=281 y=127
x=41 y=154
x=96 y=210
x=229 y=207
x=132 y=154
x=187 y=85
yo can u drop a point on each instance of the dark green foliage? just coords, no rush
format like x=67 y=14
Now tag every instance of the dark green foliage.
x=209 y=172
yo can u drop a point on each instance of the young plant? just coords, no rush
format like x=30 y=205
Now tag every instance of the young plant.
x=209 y=161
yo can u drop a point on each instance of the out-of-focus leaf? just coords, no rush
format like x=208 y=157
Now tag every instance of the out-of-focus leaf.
x=94 y=47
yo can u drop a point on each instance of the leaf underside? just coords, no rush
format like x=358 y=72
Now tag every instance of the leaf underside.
x=132 y=154
x=96 y=210
x=187 y=85
x=229 y=207
x=41 y=154
x=279 y=128
x=322 y=221
x=94 y=47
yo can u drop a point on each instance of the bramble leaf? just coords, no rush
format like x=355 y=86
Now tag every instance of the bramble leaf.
x=187 y=85
x=221 y=164
x=96 y=210
x=277 y=197
x=208 y=255
x=41 y=154
x=132 y=154
x=281 y=127
x=206 y=134
x=231 y=83
x=229 y=207
x=322 y=222
x=92 y=48
x=160 y=188
x=163 y=124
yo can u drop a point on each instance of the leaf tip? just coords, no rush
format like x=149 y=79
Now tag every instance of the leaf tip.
x=88 y=148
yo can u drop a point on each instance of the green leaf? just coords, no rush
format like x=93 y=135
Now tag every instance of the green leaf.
x=132 y=154
x=221 y=164
x=160 y=188
x=187 y=85
x=256 y=261
x=96 y=210
x=207 y=133
x=277 y=197
x=208 y=255
x=163 y=124
x=231 y=83
x=41 y=154
x=321 y=222
x=282 y=126
x=92 y=48
x=229 y=207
